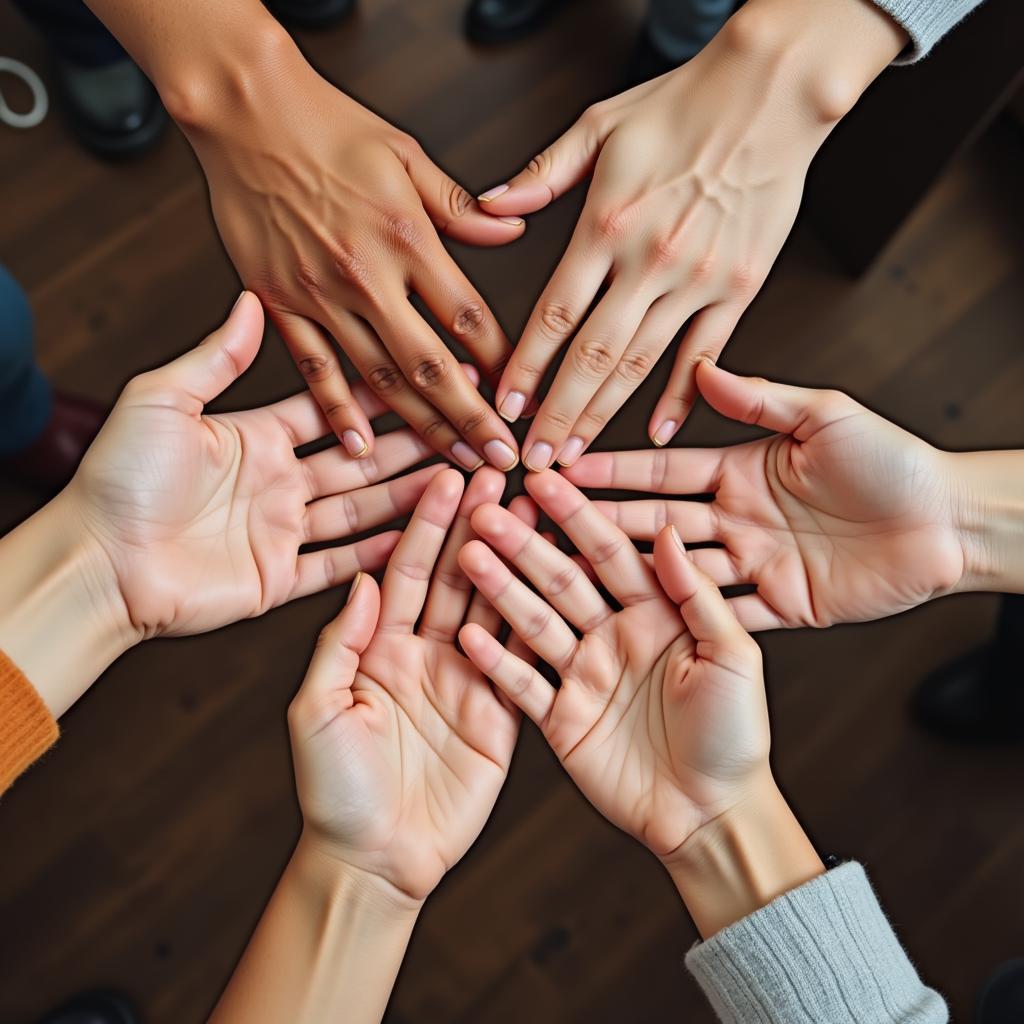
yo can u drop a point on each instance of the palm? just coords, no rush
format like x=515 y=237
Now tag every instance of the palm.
x=848 y=525
x=418 y=759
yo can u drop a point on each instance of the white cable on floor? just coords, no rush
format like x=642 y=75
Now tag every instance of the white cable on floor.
x=40 y=101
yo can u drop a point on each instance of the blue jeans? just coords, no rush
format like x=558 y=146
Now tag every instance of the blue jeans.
x=26 y=400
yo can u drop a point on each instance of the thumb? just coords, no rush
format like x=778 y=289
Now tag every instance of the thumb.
x=332 y=668
x=219 y=359
x=780 y=407
x=550 y=174
x=705 y=611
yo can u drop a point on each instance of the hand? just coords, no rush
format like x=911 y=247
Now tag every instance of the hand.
x=400 y=744
x=660 y=715
x=839 y=517
x=697 y=177
x=201 y=518
x=331 y=216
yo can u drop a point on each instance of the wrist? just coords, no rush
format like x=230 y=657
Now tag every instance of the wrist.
x=63 y=620
x=743 y=859
x=826 y=51
x=988 y=514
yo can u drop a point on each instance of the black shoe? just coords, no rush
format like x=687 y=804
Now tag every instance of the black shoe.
x=647 y=62
x=93 y=1008
x=1002 y=999
x=504 y=21
x=113 y=109
x=975 y=699
x=311 y=13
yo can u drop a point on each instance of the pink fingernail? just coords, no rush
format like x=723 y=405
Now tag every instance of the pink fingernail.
x=516 y=222
x=354 y=443
x=665 y=433
x=500 y=455
x=512 y=408
x=571 y=451
x=465 y=456
x=538 y=457
x=493 y=193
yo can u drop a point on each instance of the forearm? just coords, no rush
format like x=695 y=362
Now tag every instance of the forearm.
x=328 y=947
x=988 y=502
x=62 y=619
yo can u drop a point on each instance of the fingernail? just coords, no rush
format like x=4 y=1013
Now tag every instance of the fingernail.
x=354 y=443
x=355 y=585
x=238 y=300
x=512 y=408
x=465 y=456
x=500 y=455
x=571 y=451
x=665 y=433
x=679 y=541
x=516 y=222
x=493 y=193
x=538 y=457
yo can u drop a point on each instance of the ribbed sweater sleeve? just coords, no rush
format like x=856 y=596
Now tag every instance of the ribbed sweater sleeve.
x=27 y=729
x=822 y=952
x=926 y=22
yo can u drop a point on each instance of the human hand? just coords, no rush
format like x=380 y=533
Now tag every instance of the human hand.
x=696 y=179
x=660 y=716
x=201 y=517
x=400 y=744
x=331 y=216
x=839 y=517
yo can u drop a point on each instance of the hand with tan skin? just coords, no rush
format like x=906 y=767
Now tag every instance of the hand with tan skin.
x=178 y=522
x=401 y=747
x=331 y=216
x=696 y=179
x=660 y=715
x=839 y=516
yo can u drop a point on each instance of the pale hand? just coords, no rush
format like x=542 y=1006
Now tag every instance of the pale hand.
x=660 y=716
x=839 y=517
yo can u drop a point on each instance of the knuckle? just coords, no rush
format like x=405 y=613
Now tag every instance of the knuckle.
x=520 y=683
x=612 y=223
x=402 y=230
x=315 y=369
x=468 y=319
x=702 y=270
x=561 y=581
x=659 y=469
x=593 y=421
x=431 y=427
x=743 y=279
x=429 y=372
x=350 y=264
x=663 y=251
x=385 y=379
x=594 y=357
x=540 y=165
x=536 y=624
x=456 y=198
x=309 y=280
x=558 y=320
x=635 y=365
x=472 y=422
x=559 y=420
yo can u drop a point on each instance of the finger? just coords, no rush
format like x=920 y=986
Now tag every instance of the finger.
x=433 y=373
x=462 y=311
x=756 y=615
x=519 y=681
x=332 y=669
x=563 y=165
x=677 y=471
x=696 y=521
x=315 y=356
x=705 y=611
x=646 y=347
x=618 y=564
x=781 y=407
x=453 y=210
x=556 y=576
x=342 y=515
x=202 y=373
x=334 y=471
x=407 y=578
x=318 y=570
x=529 y=616
x=559 y=311
x=592 y=356
x=451 y=590
x=704 y=339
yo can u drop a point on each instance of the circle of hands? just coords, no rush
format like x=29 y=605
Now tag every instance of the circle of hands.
x=405 y=726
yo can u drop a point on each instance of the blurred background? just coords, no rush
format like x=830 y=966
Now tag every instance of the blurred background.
x=140 y=852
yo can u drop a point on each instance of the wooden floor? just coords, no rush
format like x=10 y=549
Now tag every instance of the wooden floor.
x=140 y=853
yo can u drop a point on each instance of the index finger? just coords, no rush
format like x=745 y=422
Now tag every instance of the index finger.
x=663 y=471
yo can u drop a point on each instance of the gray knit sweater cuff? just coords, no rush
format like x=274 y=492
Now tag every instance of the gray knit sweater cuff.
x=926 y=22
x=822 y=952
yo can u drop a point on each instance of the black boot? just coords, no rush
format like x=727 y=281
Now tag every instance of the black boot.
x=93 y=1008
x=979 y=698
x=504 y=21
x=311 y=13
x=1002 y=999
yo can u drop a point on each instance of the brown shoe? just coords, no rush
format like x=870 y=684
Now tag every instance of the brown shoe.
x=51 y=460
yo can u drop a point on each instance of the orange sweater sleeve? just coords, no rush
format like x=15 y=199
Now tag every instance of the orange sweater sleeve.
x=27 y=729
